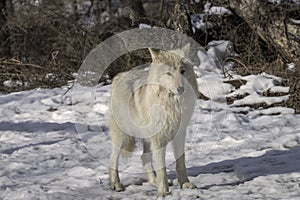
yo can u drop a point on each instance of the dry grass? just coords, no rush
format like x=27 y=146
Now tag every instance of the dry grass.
x=40 y=50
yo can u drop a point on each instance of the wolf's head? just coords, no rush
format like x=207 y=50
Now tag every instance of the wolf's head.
x=171 y=68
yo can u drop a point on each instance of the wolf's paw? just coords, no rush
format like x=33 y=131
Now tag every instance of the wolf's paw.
x=188 y=185
x=170 y=182
x=153 y=182
x=163 y=194
x=118 y=187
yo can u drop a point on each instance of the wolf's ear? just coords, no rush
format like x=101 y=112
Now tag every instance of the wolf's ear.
x=154 y=52
x=186 y=48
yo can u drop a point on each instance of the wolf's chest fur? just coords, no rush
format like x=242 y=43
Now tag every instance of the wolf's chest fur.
x=156 y=107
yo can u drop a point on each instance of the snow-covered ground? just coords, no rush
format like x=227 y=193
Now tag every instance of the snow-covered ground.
x=56 y=146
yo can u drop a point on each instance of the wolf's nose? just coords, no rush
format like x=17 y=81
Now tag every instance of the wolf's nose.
x=180 y=90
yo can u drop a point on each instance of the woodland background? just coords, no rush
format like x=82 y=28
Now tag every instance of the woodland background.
x=43 y=42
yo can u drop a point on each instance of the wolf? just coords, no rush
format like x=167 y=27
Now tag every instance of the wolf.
x=154 y=106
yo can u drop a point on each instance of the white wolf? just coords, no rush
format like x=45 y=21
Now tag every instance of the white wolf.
x=156 y=106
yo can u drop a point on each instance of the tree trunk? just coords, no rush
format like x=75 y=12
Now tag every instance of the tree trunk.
x=137 y=11
x=181 y=21
x=4 y=33
x=273 y=24
x=108 y=6
x=10 y=8
x=75 y=9
x=161 y=8
x=2 y=13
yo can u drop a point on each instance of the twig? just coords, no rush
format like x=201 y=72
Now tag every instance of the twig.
x=223 y=69
x=161 y=8
x=62 y=17
x=238 y=61
x=17 y=62
x=69 y=88
x=100 y=180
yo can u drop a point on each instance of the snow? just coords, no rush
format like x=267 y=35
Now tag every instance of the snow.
x=198 y=20
x=291 y=66
x=297 y=2
x=142 y=25
x=11 y=83
x=215 y=10
x=56 y=146
x=255 y=88
x=275 y=1
x=294 y=20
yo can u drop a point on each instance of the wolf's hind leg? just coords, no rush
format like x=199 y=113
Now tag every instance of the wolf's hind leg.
x=147 y=163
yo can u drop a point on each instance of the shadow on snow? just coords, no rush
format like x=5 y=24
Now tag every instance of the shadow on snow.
x=28 y=127
x=247 y=168
x=33 y=126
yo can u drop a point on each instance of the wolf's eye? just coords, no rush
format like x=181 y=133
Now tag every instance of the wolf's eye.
x=169 y=74
x=182 y=71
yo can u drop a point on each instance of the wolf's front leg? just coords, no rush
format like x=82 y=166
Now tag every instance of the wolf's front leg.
x=161 y=174
x=178 y=146
x=147 y=163
x=181 y=173
x=114 y=180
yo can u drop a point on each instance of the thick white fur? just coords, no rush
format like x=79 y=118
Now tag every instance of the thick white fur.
x=150 y=105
